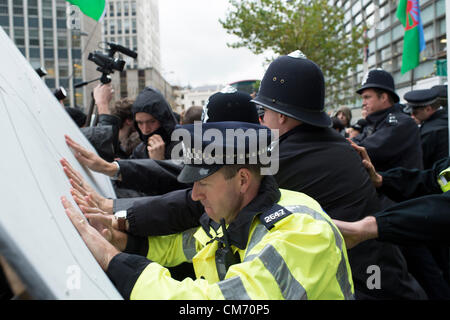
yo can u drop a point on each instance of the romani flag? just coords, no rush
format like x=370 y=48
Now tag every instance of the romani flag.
x=408 y=12
x=92 y=8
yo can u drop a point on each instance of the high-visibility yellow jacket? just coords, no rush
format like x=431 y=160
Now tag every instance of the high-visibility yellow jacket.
x=444 y=180
x=292 y=251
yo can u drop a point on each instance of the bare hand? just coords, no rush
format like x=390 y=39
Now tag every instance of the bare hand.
x=377 y=179
x=156 y=147
x=103 y=94
x=108 y=227
x=358 y=231
x=82 y=192
x=101 y=249
x=89 y=158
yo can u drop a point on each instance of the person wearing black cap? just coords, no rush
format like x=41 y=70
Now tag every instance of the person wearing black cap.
x=316 y=160
x=433 y=121
x=159 y=177
x=255 y=240
x=442 y=92
x=391 y=138
x=418 y=219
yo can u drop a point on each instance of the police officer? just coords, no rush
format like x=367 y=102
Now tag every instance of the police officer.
x=419 y=219
x=433 y=119
x=249 y=228
x=391 y=137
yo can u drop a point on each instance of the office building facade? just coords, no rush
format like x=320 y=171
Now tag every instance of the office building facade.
x=54 y=35
x=135 y=25
x=385 y=35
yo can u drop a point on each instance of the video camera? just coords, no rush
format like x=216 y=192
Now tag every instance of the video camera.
x=106 y=62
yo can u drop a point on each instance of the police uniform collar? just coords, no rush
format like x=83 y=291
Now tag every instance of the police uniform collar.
x=239 y=229
x=376 y=117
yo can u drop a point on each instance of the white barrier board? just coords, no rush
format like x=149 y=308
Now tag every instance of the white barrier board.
x=36 y=236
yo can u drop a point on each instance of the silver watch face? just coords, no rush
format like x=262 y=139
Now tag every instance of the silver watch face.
x=121 y=214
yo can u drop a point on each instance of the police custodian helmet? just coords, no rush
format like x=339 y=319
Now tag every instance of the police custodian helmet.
x=378 y=78
x=295 y=86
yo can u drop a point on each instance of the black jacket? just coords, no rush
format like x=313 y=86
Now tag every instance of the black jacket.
x=322 y=164
x=151 y=177
x=434 y=136
x=392 y=140
x=424 y=216
x=151 y=101
x=105 y=136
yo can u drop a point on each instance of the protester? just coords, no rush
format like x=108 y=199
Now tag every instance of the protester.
x=313 y=159
x=356 y=128
x=159 y=177
x=154 y=121
x=191 y=115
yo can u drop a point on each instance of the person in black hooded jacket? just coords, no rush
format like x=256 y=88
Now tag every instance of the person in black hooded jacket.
x=154 y=121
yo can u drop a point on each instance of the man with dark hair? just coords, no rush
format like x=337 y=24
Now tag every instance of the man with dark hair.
x=154 y=121
x=191 y=115
x=316 y=160
x=433 y=120
x=391 y=137
x=255 y=240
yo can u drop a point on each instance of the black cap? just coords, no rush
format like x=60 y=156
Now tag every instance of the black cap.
x=421 y=98
x=230 y=105
x=441 y=90
x=380 y=79
x=228 y=143
x=295 y=86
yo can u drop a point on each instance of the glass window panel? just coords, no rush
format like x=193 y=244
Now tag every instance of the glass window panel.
x=397 y=32
x=423 y=70
x=427 y=14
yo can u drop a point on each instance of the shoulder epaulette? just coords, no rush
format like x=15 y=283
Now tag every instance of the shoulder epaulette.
x=273 y=215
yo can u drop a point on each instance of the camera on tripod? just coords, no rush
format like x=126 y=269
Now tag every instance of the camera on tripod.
x=106 y=62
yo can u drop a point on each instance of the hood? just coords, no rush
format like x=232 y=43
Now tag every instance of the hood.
x=151 y=101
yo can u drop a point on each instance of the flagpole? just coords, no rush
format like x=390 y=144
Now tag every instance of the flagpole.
x=447 y=14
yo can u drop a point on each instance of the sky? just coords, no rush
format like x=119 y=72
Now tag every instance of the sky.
x=194 y=45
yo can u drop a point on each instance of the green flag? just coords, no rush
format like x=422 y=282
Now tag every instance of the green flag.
x=408 y=12
x=92 y=8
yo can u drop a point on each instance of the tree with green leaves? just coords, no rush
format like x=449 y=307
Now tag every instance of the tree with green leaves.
x=312 y=26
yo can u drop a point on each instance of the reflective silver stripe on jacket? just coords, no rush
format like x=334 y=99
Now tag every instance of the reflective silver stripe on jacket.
x=341 y=274
x=258 y=234
x=189 y=248
x=233 y=289
x=290 y=288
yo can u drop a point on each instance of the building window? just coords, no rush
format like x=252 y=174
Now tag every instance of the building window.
x=111 y=9
x=141 y=80
x=123 y=84
x=119 y=8
x=126 y=9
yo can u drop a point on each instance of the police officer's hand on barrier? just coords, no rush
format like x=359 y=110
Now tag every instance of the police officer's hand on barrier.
x=101 y=249
x=377 y=179
x=82 y=192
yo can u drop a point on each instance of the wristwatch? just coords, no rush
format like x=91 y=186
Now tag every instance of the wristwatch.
x=121 y=217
